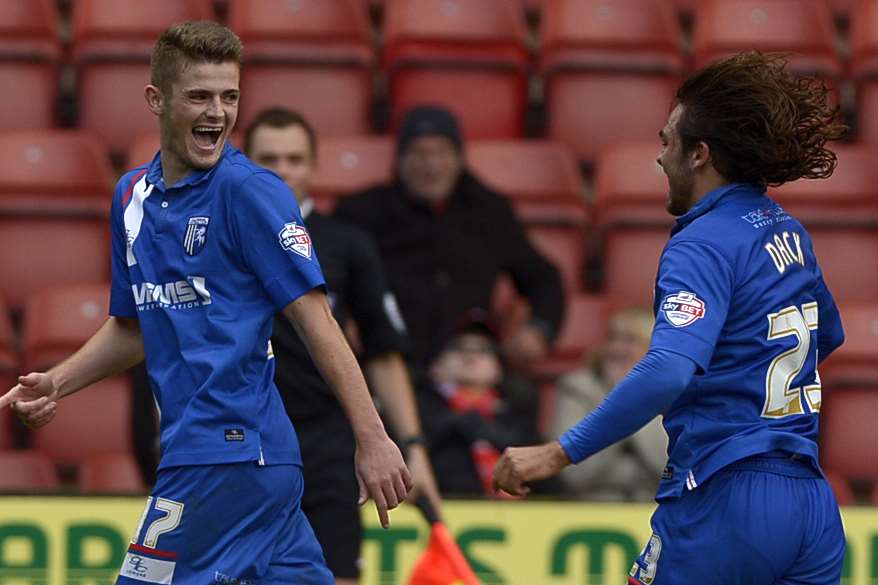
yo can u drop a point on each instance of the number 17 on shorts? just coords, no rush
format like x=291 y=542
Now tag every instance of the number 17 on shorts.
x=146 y=562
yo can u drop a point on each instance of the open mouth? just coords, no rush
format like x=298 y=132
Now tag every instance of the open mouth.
x=206 y=137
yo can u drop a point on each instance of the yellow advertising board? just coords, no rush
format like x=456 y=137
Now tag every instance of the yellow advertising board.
x=81 y=541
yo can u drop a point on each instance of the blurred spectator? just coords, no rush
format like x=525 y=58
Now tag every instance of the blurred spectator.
x=445 y=238
x=285 y=142
x=469 y=414
x=629 y=469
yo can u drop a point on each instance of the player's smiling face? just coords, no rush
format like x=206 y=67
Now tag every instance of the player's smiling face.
x=674 y=163
x=197 y=114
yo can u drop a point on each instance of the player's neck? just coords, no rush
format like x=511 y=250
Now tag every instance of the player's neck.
x=706 y=182
x=173 y=169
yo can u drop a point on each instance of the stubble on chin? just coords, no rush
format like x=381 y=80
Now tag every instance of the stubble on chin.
x=679 y=200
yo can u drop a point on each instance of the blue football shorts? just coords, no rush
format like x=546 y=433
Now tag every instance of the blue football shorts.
x=764 y=520
x=233 y=524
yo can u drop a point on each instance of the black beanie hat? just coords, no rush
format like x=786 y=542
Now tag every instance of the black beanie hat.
x=428 y=121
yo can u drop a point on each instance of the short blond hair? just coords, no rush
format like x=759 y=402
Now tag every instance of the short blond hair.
x=201 y=41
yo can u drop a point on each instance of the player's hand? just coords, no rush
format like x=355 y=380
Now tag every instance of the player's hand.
x=526 y=345
x=382 y=475
x=423 y=479
x=33 y=399
x=519 y=465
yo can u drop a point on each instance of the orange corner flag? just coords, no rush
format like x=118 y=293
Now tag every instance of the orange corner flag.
x=442 y=563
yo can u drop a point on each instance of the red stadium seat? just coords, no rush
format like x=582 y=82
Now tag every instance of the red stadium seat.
x=630 y=264
x=686 y=7
x=54 y=171
x=142 y=150
x=26 y=470
x=45 y=252
x=596 y=55
x=350 y=164
x=127 y=29
x=110 y=473
x=867 y=111
x=848 y=197
x=630 y=187
x=583 y=330
x=564 y=246
x=843 y=492
x=803 y=27
x=856 y=361
x=33 y=103
x=6 y=429
x=864 y=66
x=848 y=257
x=568 y=213
x=8 y=359
x=445 y=52
x=336 y=100
x=57 y=321
x=93 y=421
x=842 y=9
x=848 y=433
x=112 y=103
x=29 y=29
x=538 y=170
x=112 y=42
x=312 y=56
x=864 y=39
x=29 y=57
x=8 y=372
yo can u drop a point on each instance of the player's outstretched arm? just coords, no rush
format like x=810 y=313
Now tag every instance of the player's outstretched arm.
x=648 y=390
x=114 y=348
x=381 y=471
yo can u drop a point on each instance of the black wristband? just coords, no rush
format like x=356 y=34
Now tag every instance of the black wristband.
x=408 y=442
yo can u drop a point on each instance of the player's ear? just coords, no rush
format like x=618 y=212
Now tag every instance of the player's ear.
x=154 y=99
x=700 y=155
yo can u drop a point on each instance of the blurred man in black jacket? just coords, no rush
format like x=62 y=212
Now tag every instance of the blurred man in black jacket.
x=284 y=142
x=445 y=239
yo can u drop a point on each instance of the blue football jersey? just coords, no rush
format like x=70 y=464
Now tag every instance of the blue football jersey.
x=204 y=265
x=740 y=293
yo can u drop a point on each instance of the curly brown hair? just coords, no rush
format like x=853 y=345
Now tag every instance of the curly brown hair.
x=764 y=124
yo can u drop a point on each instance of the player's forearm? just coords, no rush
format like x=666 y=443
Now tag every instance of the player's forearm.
x=313 y=320
x=389 y=378
x=648 y=390
x=115 y=347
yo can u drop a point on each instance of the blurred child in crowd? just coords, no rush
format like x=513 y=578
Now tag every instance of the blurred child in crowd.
x=470 y=412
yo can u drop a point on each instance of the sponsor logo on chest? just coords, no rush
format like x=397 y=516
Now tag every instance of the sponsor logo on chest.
x=179 y=294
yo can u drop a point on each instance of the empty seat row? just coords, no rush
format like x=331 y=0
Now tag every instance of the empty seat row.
x=470 y=56
x=34 y=471
x=55 y=172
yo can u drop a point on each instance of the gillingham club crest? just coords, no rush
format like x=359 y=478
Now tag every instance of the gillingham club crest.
x=683 y=308
x=295 y=238
x=196 y=235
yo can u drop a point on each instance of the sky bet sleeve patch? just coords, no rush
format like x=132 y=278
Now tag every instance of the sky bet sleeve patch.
x=683 y=308
x=295 y=238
